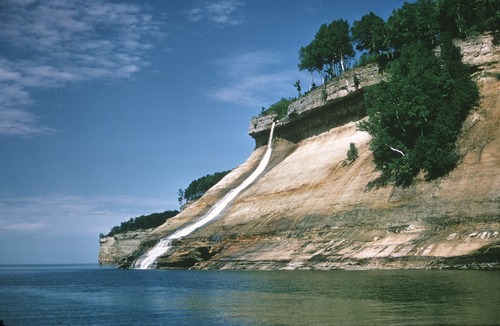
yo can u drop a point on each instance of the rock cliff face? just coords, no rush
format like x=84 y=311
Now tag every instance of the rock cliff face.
x=310 y=211
x=114 y=249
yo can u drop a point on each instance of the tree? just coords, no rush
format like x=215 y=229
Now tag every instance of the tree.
x=415 y=118
x=352 y=154
x=461 y=18
x=310 y=60
x=369 y=34
x=142 y=222
x=330 y=49
x=414 y=23
x=198 y=187
x=335 y=45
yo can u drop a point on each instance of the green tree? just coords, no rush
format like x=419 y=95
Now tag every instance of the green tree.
x=329 y=51
x=461 y=18
x=198 y=187
x=142 y=222
x=341 y=43
x=310 y=60
x=369 y=34
x=352 y=154
x=415 y=117
x=414 y=23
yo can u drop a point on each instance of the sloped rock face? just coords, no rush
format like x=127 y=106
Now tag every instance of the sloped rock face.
x=114 y=249
x=308 y=210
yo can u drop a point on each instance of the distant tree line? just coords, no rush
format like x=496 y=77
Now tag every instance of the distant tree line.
x=141 y=223
x=198 y=187
x=194 y=191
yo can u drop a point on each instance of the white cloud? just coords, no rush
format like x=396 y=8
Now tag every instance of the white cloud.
x=24 y=227
x=195 y=15
x=51 y=43
x=220 y=12
x=254 y=79
x=62 y=214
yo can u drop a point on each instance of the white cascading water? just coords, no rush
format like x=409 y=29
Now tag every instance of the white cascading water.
x=147 y=261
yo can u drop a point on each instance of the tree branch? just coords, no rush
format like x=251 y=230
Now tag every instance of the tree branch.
x=396 y=150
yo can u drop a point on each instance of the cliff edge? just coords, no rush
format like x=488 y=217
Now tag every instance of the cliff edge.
x=308 y=210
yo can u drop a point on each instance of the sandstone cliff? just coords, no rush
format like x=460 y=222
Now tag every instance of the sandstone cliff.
x=309 y=211
x=116 y=248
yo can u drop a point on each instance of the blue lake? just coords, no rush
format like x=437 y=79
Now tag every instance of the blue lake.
x=92 y=295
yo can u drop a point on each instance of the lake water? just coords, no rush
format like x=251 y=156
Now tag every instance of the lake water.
x=92 y=295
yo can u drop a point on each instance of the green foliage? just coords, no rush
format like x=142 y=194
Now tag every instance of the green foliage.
x=462 y=18
x=369 y=34
x=414 y=23
x=415 y=118
x=298 y=88
x=422 y=21
x=198 y=187
x=328 y=51
x=142 y=222
x=352 y=154
x=324 y=94
x=279 y=108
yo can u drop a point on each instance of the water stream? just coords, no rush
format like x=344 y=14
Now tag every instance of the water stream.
x=148 y=260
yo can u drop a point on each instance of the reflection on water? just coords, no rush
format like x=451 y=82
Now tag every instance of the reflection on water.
x=109 y=296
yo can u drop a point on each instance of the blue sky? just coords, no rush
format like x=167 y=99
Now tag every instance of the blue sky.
x=107 y=108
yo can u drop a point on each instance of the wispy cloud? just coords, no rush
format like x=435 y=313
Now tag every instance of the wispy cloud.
x=254 y=78
x=62 y=214
x=48 y=44
x=220 y=12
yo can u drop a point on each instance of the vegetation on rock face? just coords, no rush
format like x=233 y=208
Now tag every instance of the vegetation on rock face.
x=415 y=117
x=198 y=187
x=141 y=223
x=352 y=154
x=279 y=108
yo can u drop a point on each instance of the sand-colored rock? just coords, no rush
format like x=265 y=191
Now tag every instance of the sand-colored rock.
x=114 y=249
x=308 y=210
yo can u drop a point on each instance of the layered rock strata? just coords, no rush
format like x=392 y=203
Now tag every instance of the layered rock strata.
x=114 y=249
x=309 y=210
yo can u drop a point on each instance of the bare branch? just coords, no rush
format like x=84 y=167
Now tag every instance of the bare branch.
x=396 y=150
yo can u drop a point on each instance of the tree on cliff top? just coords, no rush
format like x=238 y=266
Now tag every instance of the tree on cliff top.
x=414 y=23
x=369 y=34
x=329 y=50
x=415 y=118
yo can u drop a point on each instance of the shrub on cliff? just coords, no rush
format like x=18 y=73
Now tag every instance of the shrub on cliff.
x=415 y=118
x=352 y=154
x=279 y=108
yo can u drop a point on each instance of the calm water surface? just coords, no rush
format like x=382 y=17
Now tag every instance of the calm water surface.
x=91 y=295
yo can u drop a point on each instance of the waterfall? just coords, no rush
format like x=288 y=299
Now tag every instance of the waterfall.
x=147 y=260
